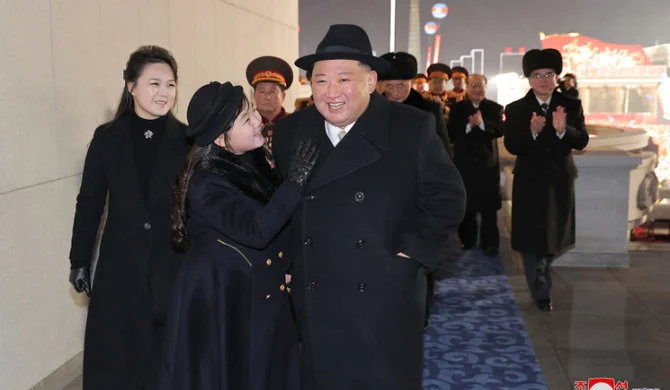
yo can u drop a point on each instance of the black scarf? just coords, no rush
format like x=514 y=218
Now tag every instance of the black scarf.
x=253 y=172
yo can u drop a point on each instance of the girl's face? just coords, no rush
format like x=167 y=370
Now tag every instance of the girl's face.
x=154 y=91
x=245 y=135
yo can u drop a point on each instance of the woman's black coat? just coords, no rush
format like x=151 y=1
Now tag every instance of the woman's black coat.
x=230 y=324
x=137 y=262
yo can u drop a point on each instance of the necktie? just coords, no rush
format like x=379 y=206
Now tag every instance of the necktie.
x=545 y=108
x=341 y=134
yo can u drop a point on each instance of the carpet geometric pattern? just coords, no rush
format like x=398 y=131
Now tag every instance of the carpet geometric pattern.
x=476 y=339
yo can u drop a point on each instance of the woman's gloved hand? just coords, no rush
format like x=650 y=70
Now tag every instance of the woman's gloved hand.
x=302 y=162
x=81 y=279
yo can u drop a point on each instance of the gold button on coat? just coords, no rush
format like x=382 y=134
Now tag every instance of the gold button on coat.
x=282 y=287
x=281 y=254
x=268 y=262
x=267 y=296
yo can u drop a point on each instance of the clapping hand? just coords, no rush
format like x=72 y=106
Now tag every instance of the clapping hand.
x=475 y=119
x=558 y=119
x=537 y=123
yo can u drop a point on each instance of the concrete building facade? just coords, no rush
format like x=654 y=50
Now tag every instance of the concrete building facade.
x=61 y=66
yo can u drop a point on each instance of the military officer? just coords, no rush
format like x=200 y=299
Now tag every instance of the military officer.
x=438 y=76
x=270 y=77
x=420 y=83
x=459 y=76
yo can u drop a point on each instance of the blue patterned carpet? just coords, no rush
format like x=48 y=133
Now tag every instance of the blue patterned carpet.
x=477 y=339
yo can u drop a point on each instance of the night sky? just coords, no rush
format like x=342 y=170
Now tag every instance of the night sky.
x=492 y=24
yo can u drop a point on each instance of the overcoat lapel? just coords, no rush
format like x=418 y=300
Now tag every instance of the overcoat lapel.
x=315 y=129
x=363 y=145
x=532 y=102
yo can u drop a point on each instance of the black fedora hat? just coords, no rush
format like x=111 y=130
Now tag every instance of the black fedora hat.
x=269 y=68
x=211 y=109
x=403 y=66
x=542 y=59
x=344 y=42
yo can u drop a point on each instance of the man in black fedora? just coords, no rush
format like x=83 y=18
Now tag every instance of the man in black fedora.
x=374 y=219
x=270 y=77
x=541 y=129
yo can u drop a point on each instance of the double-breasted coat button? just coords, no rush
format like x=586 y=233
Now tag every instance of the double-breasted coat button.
x=267 y=296
x=311 y=285
x=280 y=254
x=359 y=196
x=309 y=241
x=147 y=226
x=282 y=288
x=360 y=244
x=362 y=287
x=310 y=197
x=268 y=262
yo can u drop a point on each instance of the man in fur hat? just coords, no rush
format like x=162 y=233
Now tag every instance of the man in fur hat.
x=270 y=77
x=541 y=129
x=375 y=217
x=397 y=87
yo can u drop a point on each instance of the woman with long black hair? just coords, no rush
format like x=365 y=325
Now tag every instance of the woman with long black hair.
x=131 y=165
x=230 y=324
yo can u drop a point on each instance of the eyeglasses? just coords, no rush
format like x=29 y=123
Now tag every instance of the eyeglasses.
x=397 y=86
x=538 y=76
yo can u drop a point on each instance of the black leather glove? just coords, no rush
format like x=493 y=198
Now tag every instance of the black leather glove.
x=302 y=162
x=81 y=279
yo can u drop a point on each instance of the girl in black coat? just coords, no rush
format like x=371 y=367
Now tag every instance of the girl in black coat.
x=131 y=164
x=230 y=324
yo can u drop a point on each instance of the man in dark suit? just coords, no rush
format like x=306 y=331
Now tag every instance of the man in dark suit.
x=474 y=125
x=397 y=87
x=541 y=129
x=375 y=217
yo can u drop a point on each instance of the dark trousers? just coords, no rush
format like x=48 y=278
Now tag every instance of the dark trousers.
x=538 y=275
x=488 y=229
x=430 y=292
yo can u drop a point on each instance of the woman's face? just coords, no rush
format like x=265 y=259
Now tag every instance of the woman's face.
x=154 y=91
x=245 y=135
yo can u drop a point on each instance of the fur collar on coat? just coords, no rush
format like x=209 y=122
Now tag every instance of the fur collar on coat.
x=253 y=172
